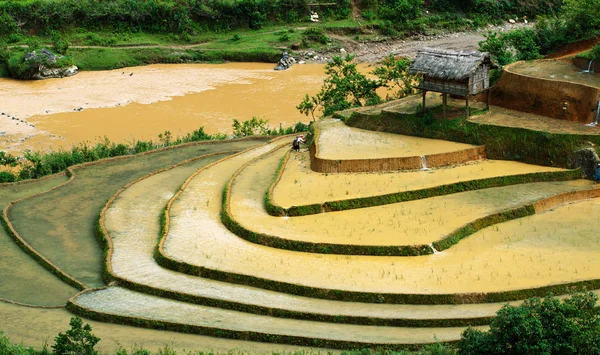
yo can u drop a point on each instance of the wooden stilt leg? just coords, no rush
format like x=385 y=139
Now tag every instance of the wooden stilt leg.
x=444 y=103
x=423 y=108
x=468 y=113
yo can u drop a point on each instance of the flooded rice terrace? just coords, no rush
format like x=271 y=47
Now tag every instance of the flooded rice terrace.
x=557 y=70
x=140 y=103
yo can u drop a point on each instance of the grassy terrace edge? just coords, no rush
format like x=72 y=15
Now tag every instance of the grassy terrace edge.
x=109 y=277
x=384 y=250
x=233 y=334
x=379 y=200
x=375 y=297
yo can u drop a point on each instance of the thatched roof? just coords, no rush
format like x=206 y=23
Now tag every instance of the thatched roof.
x=448 y=64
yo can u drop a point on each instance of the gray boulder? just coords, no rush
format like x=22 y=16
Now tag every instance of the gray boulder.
x=285 y=62
x=47 y=70
x=585 y=159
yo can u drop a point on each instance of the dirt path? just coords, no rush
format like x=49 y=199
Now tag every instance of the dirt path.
x=374 y=52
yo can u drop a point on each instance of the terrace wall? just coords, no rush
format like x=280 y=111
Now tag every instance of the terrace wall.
x=321 y=165
x=551 y=98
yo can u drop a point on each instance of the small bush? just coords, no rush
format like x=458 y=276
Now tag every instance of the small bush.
x=549 y=326
x=315 y=34
x=8 y=24
x=78 y=340
x=284 y=37
x=14 y=38
x=596 y=52
x=6 y=176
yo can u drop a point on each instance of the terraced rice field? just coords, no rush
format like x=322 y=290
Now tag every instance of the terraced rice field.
x=338 y=141
x=190 y=246
x=299 y=185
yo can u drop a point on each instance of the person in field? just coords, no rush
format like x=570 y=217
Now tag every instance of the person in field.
x=296 y=143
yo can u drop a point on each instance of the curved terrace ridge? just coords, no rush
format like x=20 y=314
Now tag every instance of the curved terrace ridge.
x=415 y=226
x=196 y=243
x=124 y=306
x=136 y=229
x=313 y=192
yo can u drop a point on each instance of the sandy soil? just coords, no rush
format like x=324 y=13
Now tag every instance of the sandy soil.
x=410 y=223
x=36 y=327
x=133 y=231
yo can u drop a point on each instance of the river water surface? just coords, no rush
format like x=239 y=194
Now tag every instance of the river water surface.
x=139 y=103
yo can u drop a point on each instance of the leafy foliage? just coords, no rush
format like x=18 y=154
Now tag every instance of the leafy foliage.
x=393 y=75
x=345 y=87
x=541 y=327
x=582 y=17
x=78 y=340
x=400 y=10
x=254 y=127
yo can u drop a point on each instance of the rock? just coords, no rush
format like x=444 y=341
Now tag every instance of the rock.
x=285 y=62
x=585 y=159
x=512 y=21
x=45 y=72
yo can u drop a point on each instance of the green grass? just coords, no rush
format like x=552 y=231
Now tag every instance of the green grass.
x=60 y=224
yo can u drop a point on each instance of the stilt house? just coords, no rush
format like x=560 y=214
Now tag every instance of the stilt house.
x=458 y=73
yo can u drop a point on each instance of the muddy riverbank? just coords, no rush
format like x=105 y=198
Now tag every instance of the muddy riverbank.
x=139 y=103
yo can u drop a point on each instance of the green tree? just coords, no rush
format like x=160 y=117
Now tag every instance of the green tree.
x=540 y=327
x=253 y=127
x=393 y=74
x=310 y=105
x=60 y=44
x=78 y=340
x=344 y=87
x=582 y=17
x=497 y=46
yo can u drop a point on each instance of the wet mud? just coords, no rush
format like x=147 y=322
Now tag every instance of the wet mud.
x=299 y=185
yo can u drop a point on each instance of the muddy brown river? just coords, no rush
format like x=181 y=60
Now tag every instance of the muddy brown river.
x=139 y=103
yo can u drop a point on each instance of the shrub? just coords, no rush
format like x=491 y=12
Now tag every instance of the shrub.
x=7 y=159
x=401 y=10
x=14 y=38
x=8 y=25
x=314 y=34
x=284 y=37
x=582 y=17
x=549 y=326
x=6 y=176
x=78 y=340
x=253 y=127
x=596 y=52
